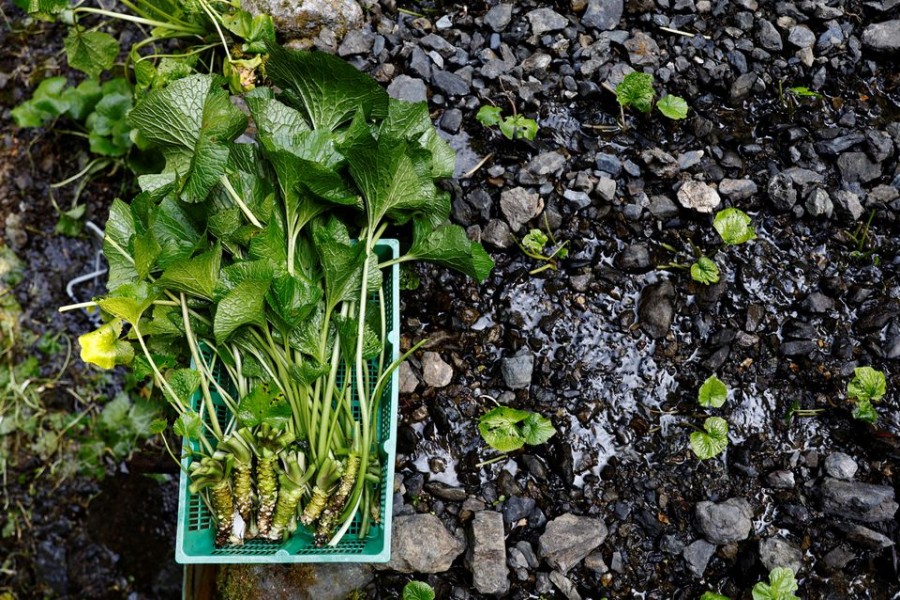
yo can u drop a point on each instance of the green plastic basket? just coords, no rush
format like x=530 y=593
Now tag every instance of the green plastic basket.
x=195 y=532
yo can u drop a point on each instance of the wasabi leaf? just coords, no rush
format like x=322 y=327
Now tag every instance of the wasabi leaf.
x=449 y=245
x=868 y=384
x=781 y=586
x=263 y=406
x=636 y=90
x=673 y=107
x=734 y=226
x=711 y=442
x=91 y=52
x=489 y=115
x=713 y=393
x=705 y=271
x=103 y=347
x=537 y=429
x=418 y=590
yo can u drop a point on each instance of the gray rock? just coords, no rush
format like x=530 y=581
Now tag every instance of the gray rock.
x=421 y=544
x=565 y=585
x=577 y=199
x=818 y=203
x=307 y=18
x=606 y=187
x=634 y=258
x=486 y=556
x=865 y=537
x=420 y=63
x=856 y=166
x=804 y=178
x=603 y=14
x=408 y=380
x=451 y=121
x=357 y=41
x=496 y=233
x=882 y=37
x=517 y=508
x=520 y=206
x=801 y=36
x=546 y=163
x=608 y=163
x=768 y=36
x=594 y=562
x=742 y=85
x=670 y=544
x=528 y=552
x=546 y=19
x=798 y=348
x=737 y=189
x=450 y=83
x=781 y=480
x=840 y=466
x=542 y=584
x=408 y=88
x=568 y=539
x=517 y=370
x=725 y=522
x=782 y=193
x=499 y=17
x=818 y=303
x=698 y=196
x=697 y=556
x=438 y=43
x=446 y=492
x=656 y=309
x=688 y=159
x=661 y=163
x=837 y=559
x=778 y=552
x=642 y=49
x=662 y=207
x=435 y=371
x=848 y=204
x=864 y=502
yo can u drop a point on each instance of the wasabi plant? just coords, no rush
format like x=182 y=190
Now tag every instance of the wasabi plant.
x=418 y=590
x=535 y=245
x=507 y=429
x=713 y=596
x=867 y=387
x=712 y=393
x=734 y=227
x=712 y=440
x=246 y=282
x=513 y=127
x=781 y=586
x=636 y=91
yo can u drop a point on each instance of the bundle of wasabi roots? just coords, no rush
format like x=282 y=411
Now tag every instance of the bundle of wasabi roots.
x=244 y=281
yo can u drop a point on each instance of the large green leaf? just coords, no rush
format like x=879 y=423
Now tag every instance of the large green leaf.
x=263 y=406
x=713 y=393
x=188 y=425
x=326 y=89
x=91 y=52
x=734 y=226
x=196 y=276
x=711 y=442
x=293 y=298
x=191 y=120
x=418 y=590
x=449 y=245
x=342 y=263
x=537 y=429
x=410 y=121
x=175 y=232
x=674 y=107
x=129 y=301
x=239 y=272
x=116 y=244
x=278 y=126
x=241 y=306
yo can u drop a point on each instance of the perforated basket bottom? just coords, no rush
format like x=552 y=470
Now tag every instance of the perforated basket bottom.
x=196 y=529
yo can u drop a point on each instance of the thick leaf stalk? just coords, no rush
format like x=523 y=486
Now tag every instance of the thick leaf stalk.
x=223 y=509
x=292 y=486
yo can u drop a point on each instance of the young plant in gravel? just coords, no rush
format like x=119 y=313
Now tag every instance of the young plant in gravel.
x=713 y=596
x=712 y=440
x=867 y=387
x=418 y=590
x=543 y=247
x=636 y=91
x=734 y=227
x=781 y=586
x=507 y=429
x=713 y=393
x=258 y=261
x=513 y=127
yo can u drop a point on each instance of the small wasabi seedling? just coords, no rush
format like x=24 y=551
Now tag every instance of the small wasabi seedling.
x=713 y=596
x=862 y=240
x=513 y=127
x=796 y=411
x=713 y=393
x=506 y=429
x=418 y=590
x=712 y=441
x=867 y=386
x=636 y=91
x=792 y=97
x=734 y=227
x=781 y=586
x=535 y=245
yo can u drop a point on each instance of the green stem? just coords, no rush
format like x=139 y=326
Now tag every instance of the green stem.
x=204 y=382
x=237 y=200
x=138 y=20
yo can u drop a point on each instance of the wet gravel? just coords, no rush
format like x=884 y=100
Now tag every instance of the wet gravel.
x=611 y=348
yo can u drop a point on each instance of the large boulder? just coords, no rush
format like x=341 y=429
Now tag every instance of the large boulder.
x=307 y=18
x=421 y=544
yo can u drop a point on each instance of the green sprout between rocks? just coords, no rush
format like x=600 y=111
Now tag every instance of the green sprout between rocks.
x=781 y=586
x=636 y=91
x=713 y=438
x=535 y=245
x=712 y=393
x=867 y=387
x=418 y=590
x=734 y=227
x=513 y=127
x=258 y=261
